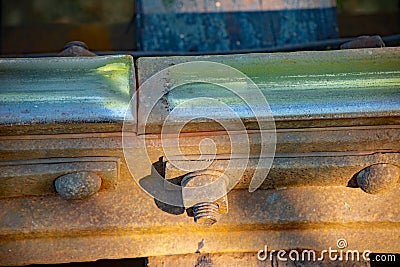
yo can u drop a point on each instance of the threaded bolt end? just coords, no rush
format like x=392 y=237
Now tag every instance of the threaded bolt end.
x=206 y=213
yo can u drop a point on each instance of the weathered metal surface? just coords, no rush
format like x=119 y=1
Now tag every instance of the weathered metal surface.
x=60 y=91
x=294 y=141
x=311 y=169
x=36 y=177
x=116 y=225
x=303 y=89
x=188 y=25
x=309 y=200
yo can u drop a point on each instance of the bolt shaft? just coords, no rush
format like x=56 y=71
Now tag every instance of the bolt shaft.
x=206 y=213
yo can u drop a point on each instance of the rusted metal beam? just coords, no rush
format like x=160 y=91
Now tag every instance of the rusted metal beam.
x=117 y=225
x=318 y=190
x=37 y=177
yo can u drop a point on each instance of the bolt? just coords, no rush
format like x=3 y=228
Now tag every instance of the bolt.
x=364 y=42
x=77 y=185
x=76 y=43
x=205 y=191
x=76 y=49
x=206 y=213
x=378 y=178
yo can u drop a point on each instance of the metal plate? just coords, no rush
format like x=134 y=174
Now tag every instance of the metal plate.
x=303 y=89
x=52 y=92
x=36 y=177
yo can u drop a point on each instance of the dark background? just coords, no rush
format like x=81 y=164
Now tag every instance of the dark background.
x=44 y=26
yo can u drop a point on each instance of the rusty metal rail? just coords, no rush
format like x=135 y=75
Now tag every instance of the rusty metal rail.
x=333 y=173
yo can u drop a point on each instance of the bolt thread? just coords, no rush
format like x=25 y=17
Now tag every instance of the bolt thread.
x=206 y=213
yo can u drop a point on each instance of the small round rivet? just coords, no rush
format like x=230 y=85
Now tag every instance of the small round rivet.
x=76 y=43
x=77 y=185
x=378 y=178
x=76 y=49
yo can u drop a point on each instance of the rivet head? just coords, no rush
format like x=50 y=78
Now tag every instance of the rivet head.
x=76 y=43
x=378 y=178
x=77 y=185
x=76 y=49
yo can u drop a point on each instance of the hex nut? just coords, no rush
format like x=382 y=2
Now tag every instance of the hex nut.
x=78 y=185
x=378 y=178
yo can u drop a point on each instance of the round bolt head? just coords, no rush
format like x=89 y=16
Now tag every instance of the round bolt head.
x=76 y=49
x=378 y=178
x=76 y=43
x=77 y=185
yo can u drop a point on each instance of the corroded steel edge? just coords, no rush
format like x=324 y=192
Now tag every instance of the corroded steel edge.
x=126 y=222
